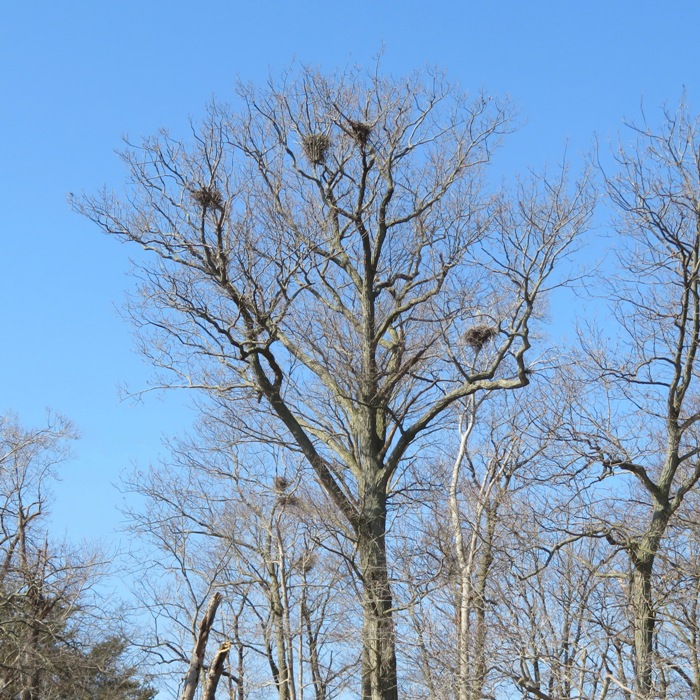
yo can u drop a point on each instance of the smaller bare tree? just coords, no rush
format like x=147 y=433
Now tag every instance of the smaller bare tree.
x=57 y=638
x=218 y=523
x=640 y=417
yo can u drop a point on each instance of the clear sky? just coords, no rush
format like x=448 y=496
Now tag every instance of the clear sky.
x=77 y=76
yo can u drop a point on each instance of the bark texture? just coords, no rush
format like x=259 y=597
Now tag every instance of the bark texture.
x=194 y=672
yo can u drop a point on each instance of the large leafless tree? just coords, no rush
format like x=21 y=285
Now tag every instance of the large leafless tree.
x=317 y=253
x=641 y=414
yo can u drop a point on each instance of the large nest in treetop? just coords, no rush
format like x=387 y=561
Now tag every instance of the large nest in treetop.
x=288 y=500
x=308 y=562
x=281 y=483
x=208 y=198
x=316 y=147
x=360 y=132
x=477 y=336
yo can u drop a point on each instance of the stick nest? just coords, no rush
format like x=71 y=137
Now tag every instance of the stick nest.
x=284 y=499
x=281 y=483
x=477 y=336
x=360 y=132
x=308 y=562
x=208 y=198
x=288 y=500
x=316 y=147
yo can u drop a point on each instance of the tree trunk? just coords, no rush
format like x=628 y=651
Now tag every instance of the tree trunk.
x=314 y=658
x=236 y=682
x=644 y=622
x=282 y=676
x=379 y=678
x=215 y=671
x=643 y=556
x=482 y=580
x=474 y=562
x=285 y=621
x=463 y=576
x=200 y=647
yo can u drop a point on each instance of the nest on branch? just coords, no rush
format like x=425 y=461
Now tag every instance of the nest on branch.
x=308 y=562
x=288 y=500
x=281 y=483
x=360 y=132
x=208 y=198
x=284 y=499
x=477 y=336
x=316 y=147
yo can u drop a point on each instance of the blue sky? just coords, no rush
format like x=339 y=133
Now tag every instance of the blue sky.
x=77 y=76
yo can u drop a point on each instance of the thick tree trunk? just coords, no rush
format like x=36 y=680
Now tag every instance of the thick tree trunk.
x=642 y=557
x=644 y=622
x=379 y=678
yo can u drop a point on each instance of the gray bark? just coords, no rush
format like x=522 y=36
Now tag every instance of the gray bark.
x=349 y=268
x=197 y=660
x=215 y=671
x=379 y=677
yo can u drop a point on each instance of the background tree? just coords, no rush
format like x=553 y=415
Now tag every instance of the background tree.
x=497 y=444
x=639 y=418
x=213 y=521
x=491 y=522
x=315 y=257
x=678 y=605
x=102 y=672
x=560 y=614
x=53 y=642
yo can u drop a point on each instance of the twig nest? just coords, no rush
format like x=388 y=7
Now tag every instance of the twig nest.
x=288 y=500
x=208 y=198
x=308 y=562
x=477 y=336
x=360 y=132
x=316 y=147
x=281 y=483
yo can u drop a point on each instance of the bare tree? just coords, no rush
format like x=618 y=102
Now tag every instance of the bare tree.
x=641 y=419
x=211 y=523
x=52 y=643
x=36 y=588
x=315 y=256
x=677 y=605
x=560 y=615
x=196 y=668
x=487 y=471
x=489 y=510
